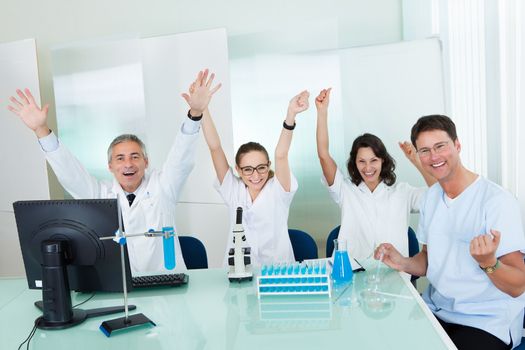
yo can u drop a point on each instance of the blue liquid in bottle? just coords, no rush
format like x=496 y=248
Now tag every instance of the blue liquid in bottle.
x=342 y=270
x=168 y=245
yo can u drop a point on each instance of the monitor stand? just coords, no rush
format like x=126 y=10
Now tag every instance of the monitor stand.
x=56 y=295
x=79 y=316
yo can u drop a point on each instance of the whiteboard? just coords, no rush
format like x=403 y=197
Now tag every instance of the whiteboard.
x=24 y=173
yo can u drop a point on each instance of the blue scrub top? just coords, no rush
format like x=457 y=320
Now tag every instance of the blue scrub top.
x=460 y=292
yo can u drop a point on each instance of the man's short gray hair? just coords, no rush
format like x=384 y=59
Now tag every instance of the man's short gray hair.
x=126 y=138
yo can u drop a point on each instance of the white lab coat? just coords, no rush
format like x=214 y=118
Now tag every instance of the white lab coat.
x=153 y=207
x=369 y=218
x=265 y=221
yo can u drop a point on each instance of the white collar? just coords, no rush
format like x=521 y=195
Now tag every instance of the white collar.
x=364 y=188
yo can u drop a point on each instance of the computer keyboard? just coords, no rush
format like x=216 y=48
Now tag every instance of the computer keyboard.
x=173 y=280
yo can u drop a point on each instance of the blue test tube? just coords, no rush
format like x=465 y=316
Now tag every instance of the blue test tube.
x=168 y=244
x=303 y=272
x=310 y=278
x=277 y=272
x=284 y=269
x=323 y=271
x=271 y=272
x=295 y=278
x=264 y=272
x=316 y=271
x=290 y=273
x=310 y=272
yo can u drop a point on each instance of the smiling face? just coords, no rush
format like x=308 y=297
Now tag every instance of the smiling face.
x=128 y=165
x=439 y=155
x=369 y=166
x=249 y=162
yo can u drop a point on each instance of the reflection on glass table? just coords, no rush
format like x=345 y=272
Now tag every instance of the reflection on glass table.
x=211 y=313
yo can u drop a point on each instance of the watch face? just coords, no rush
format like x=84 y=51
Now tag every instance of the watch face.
x=491 y=269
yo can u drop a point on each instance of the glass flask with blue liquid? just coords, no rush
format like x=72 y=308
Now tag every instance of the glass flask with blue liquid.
x=342 y=269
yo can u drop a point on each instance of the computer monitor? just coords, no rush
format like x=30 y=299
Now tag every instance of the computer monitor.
x=62 y=251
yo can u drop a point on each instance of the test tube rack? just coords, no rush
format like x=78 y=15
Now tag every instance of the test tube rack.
x=294 y=279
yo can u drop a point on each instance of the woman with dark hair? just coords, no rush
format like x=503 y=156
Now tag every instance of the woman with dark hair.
x=265 y=196
x=374 y=208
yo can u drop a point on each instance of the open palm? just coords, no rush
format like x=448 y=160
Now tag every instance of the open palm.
x=29 y=112
x=201 y=91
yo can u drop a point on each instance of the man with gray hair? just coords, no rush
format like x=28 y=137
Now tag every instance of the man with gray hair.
x=147 y=198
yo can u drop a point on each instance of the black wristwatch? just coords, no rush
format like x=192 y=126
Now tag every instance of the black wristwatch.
x=289 y=127
x=194 y=118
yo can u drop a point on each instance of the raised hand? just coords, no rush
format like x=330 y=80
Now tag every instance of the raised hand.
x=299 y=103
x=34 y=117
x=483 y=248
x=322 y=100
x=200 y=92
x=410 y=151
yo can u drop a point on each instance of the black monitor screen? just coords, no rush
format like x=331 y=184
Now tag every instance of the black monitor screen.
x=92 y=264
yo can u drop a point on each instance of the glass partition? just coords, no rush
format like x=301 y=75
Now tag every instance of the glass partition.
x=99 y=87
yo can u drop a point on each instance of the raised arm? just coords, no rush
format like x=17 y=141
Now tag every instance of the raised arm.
x=34 y=117
x=220 y=163
x=70 y=172
x=410 y=152
x=297 y=105
x=198 y=99
x=327 y=162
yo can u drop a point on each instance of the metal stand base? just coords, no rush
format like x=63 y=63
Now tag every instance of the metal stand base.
x=108 y=327
x=240 y=279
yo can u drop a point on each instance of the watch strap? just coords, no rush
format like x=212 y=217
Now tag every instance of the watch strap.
x=289 y=127
x=491 y=269
x=194 y=118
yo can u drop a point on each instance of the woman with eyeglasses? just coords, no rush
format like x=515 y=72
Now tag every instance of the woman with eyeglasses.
x=374 y=208
x=264 y=195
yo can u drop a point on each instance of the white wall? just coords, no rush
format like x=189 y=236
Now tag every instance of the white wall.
x=24 y=174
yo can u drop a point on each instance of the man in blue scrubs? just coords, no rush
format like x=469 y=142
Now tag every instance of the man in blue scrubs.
x=473 y=245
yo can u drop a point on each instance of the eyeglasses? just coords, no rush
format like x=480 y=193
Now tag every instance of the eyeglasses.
x=261 y=169
x=438 y=148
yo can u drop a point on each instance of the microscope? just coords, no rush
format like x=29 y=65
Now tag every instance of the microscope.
x=239 y=256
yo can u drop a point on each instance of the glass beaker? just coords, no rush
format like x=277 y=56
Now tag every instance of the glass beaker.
x=342 y=269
